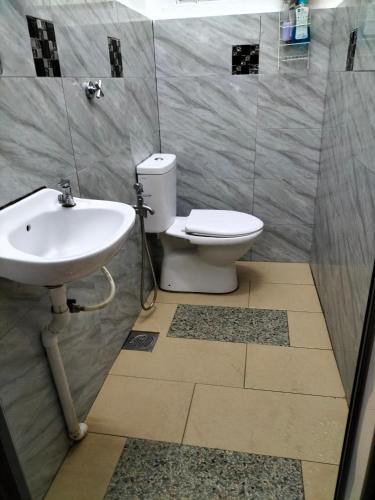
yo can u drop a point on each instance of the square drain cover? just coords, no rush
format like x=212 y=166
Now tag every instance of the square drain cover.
x=140 y=341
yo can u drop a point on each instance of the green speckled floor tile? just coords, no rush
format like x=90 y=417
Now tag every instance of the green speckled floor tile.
x=152 y=470
x=231 y=324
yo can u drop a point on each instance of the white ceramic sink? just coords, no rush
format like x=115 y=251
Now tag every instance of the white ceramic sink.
x=43 y=243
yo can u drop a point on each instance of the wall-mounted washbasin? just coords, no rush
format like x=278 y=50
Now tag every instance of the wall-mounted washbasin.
x=44 y=243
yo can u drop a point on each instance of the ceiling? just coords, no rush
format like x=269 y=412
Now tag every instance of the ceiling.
x=170 y=9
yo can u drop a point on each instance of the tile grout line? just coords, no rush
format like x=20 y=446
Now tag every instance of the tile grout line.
x=244 y=375
x=214 y=448
x=188 y=414
x=228 y=387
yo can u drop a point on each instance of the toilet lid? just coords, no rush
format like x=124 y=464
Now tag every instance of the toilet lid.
x=221 y=223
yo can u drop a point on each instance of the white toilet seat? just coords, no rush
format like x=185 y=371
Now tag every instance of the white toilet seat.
x=222 y=223
x=178 y=230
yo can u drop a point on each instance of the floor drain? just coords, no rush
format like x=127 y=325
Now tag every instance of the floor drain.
x=140 y=341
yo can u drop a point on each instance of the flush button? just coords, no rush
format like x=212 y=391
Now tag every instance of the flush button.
x=158 y=158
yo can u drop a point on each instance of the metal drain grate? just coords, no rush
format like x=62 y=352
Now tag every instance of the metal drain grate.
x=140 y=341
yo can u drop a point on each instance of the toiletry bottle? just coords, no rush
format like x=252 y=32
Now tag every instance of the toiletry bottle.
x=286 y=30
x=301 y=32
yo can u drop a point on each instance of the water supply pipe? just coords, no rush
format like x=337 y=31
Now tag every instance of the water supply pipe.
x=61 y=316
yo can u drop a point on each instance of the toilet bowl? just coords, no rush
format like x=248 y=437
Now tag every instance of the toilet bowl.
x=200 y=250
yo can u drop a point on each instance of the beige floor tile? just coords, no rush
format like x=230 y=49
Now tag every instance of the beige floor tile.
x=88 y=468
x=276 y=272
x=135 y=407
x=319 y=480
x=159 y=319
x=207 y=362
x=308 y=330
x=269 y=423
x=277 y=296
x=291 y=369
x=238 y=298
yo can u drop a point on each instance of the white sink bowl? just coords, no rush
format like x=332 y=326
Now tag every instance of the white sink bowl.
x=43 y=243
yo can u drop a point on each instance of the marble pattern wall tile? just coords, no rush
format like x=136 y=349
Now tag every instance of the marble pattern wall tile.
x=291 y=101
x=81 y=30
x=136 y=31
x=98 y=126
x=209 y=124
x=344 y=236
x=16 y=55
x=221 y=194
x=211 y=154
x=229 y=101
x=284 y=202
x=26 y=130
x=283 y=243
x=269 y=41
x=142 y=117
x=287 y=153
x=16 y=59
x=202 y=46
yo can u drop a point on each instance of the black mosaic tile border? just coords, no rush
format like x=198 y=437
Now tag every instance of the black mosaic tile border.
x=44 y=47
x=351 y=50
x=115 y=57
x=230 y=324
x=245 y=59
x=153 y=469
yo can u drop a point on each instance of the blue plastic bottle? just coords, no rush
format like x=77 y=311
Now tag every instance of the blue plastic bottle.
x=301 y=32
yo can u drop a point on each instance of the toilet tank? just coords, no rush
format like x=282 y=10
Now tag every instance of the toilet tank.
x=157 y=174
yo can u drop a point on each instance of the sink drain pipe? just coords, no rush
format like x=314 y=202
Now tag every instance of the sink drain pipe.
x=61 y=316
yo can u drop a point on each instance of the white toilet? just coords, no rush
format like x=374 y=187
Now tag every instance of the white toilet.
x=200 y=250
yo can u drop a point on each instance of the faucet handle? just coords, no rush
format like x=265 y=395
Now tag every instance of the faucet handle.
x=64 y=183
x=99 y=89
x=138 y=188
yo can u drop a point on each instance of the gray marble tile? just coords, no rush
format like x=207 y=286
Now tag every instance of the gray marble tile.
x=283 y=243
x=16 y=56
x=199 y=122
x=284 y=202
x=291 y=101
x=343 y=254
x=230 y=101
x=194 y=191
x=152 y=469
x=81 y=31
x=137 y=41
x=16 y=300
x=143 y=117
x=321 y=32
x=202 y=46
x=230 y=324
x=35 y=144
x=98 y=126
x=288 y=154
x=211 y=154
x=269 y=41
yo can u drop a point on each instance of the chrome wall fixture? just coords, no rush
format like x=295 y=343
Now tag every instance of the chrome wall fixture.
x=94 y=89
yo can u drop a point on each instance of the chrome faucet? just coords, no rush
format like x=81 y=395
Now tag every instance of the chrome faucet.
x=94 y=89
x=66 y=197
x=140 y=208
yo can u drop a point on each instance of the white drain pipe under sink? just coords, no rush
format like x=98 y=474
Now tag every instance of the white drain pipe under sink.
x=61 y=317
